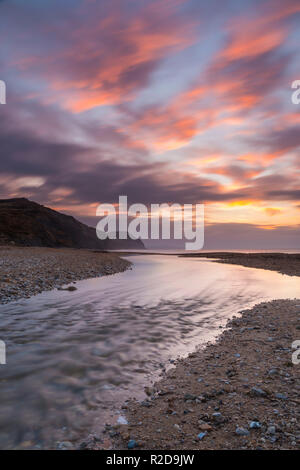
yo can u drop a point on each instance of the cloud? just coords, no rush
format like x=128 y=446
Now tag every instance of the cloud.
x=279 y=141
x=164 y=100
x=284 y=194
x=272 y=211
x=245 y=236
x=242 y=77
x=105 y=54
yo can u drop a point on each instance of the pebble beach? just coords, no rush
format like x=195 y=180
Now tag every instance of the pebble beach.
x=242 y=392
x=27 y=271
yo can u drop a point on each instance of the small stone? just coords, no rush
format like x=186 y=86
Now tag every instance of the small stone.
x=204 y=426
x=189 y=396
x=241 y=431
x=257 y=392
x=146 y=403
x=149 y=391
x=71 y=288
x=65 y=445
x=271 y=430
x=255 y=425
x=132 y=444
x=218 y=418
x=122 y=420
x=281 y=396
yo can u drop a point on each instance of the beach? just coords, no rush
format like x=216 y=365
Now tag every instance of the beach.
x=27 y=271
x=242 y=392
x=284 y=263
x=233 y=385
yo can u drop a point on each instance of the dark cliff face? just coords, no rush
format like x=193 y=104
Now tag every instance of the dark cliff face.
x=27 y=223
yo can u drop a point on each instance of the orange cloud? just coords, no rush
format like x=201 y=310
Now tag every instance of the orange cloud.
x=272 y=211
x=238 y=79
x=239 y=203
x=113 y=58
x=248 y=43
x=268 y=227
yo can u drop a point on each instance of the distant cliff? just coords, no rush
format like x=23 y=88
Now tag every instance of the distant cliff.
x=27 y=223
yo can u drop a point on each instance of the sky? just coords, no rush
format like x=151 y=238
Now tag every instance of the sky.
x=165 y=101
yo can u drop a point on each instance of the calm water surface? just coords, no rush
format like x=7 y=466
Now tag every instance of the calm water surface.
x=74 y=357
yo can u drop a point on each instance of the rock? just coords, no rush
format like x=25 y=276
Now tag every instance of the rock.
x=204 y=426
x=83 y=446
x=218 y=418
x=242 y=431
x=271 y=430
x=255 y=425
x=189 y=396
x=281 y=396
x=149 y=391
x=257 y=392
x=65 y=445
x=122 y=420
x=201 y=399
x=131 y=444
x=71 y=288
x=146 y=403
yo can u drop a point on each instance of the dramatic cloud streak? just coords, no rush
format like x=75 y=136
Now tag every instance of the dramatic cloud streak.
x=162 y=100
